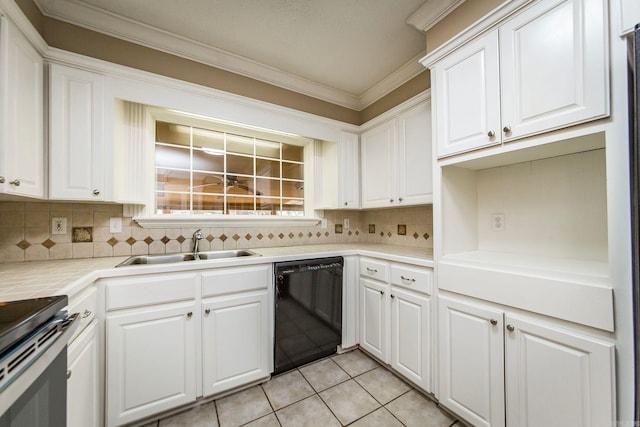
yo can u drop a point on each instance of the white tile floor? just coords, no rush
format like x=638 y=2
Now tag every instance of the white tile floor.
x=347 y=389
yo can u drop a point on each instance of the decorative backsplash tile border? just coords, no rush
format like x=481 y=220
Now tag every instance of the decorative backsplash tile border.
x=26 y=235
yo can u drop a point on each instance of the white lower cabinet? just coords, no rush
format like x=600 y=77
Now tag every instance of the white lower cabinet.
x=235 y=341
x=151 y=361
x=498 y=367
x=83 y=379
x=395 y=317
x=171 y=338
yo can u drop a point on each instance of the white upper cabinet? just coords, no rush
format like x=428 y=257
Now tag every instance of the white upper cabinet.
x=396 y=160
x=553 y=59
x=77 y=149
x=378 y=166
x=415 y=183
x=338 y=174
x=543 y=69
x=467 y=97
x=21 y=115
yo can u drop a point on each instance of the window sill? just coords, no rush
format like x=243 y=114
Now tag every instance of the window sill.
x=190 y=221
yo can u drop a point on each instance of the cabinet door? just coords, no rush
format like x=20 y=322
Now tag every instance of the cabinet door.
x=349 y=163
x=77 y=155
x=21 y=115
x=471 y=361
x=374 y=318
x=467 y=97
x=151 y=361
x=235 y=341
x=378 y=171
x=83 y=383
x=553 y=66
x=411 y=336
x=415 y=184
x=556 y=377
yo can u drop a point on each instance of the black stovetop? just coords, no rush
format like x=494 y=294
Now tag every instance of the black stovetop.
x=19 y=318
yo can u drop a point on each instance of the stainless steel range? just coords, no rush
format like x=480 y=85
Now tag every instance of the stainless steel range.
x=33 y=361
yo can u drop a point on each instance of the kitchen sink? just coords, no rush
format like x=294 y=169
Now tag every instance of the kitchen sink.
x=183 y=257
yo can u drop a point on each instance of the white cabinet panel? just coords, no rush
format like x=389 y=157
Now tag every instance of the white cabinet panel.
x=151 y=361
x=235 y=341
x=378 y=166
x=374 y=318
x=84 y=380
x=471 y=361
x=22 y=164
x=411 y=336
x=415 y=183
x=467 y=97
x=557 y=377
x=349 y=171
x=553 y=70
x=77 y=151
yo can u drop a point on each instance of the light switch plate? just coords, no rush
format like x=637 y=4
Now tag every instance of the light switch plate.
x=115 y=225
x=345 y=223
x=58 y=225
x=324 y=223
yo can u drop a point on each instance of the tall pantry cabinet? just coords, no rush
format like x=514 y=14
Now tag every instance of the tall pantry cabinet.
x=522 y=231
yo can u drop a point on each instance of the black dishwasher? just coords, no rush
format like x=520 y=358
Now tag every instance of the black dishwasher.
x=308 y=312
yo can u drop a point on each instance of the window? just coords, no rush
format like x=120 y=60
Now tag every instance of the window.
x=212 y=171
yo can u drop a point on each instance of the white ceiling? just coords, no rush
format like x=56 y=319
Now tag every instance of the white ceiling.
x=349 y=52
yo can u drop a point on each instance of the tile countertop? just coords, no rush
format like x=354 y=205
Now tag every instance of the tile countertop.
x=33 y=279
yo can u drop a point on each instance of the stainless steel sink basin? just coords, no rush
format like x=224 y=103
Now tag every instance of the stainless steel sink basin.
x=182 y=257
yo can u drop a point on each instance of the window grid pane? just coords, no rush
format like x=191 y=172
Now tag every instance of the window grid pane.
x=205 y=171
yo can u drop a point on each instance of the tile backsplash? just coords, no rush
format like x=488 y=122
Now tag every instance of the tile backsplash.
x=26 y=232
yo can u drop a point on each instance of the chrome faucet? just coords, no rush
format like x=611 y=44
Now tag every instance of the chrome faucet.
x=197 y=236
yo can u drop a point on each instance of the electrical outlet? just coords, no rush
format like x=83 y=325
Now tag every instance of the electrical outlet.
x=324 y=223
x=345 y=223
x=115 y=225
x=58 y=225
x=498 y=222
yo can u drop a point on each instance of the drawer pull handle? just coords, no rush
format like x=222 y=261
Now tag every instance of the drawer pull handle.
x=494 y=322
x=207 y=311
x=511 y=328
x=372 y=270
x=15 y=182
x=86 y=314
x=408 y=279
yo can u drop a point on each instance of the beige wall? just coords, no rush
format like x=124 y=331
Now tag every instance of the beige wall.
x=458 y=20
x=80 y=40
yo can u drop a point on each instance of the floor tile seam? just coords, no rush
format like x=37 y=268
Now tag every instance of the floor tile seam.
x=275 y=411
x=368 y=392
x=377 y=409
x=330 y=410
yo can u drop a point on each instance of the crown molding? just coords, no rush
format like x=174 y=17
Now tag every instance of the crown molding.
x=95 y=19
x=432 y=12
x=10 y=9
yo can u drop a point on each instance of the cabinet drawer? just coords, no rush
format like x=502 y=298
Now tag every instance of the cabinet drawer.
x=222 y=281
x=150 y=289
x=373 y=269
x=415 y=278
x=85 y=304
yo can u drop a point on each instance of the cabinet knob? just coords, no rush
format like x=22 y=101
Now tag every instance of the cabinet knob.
x=96 y=192
x=86 y=314
x=207 y=311
x=510 y=328
x=506 y=129
x=381 y=292
x=390 y=200
x=346 y=203
x=15 y=182
x=392 y=296
x=68 y=373
x=491 y=134
x=494 y=322
x=1 y=179
x=189 y=314
x=400 y=199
